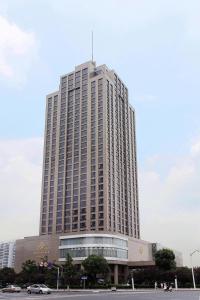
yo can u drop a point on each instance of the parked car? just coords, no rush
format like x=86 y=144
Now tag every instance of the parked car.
x=38 y=289
x=11 y=289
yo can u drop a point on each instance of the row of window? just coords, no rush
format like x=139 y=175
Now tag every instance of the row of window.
x=85 y=252
x=94 y=240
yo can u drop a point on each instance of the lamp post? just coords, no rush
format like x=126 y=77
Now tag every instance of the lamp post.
x=193 y=278
x=132 y=280
x=44 y=263
x=176 y=283
x=58 y=275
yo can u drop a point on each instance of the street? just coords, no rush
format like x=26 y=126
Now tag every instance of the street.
x=125 y=295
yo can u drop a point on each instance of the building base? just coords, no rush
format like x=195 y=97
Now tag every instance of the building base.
x=120 y=251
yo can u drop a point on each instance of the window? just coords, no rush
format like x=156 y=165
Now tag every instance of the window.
x=101 y=223
x=83 y=204
x=100 y=208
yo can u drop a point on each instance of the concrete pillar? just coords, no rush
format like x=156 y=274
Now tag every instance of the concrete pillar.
x=115 y=274
x=108 y=277
x=126 y=273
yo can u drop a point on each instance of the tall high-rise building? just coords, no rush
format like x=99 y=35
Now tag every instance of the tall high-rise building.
x=89 y=199
x=90 y=166
x=7 y=254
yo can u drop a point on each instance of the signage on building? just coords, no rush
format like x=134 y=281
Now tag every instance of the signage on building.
x=41 y=250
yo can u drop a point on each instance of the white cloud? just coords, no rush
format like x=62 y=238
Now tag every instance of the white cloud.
x=20 y=185
x=195 y=148
x=170 y=206
x=18 y=50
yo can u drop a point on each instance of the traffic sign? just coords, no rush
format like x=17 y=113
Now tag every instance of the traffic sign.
x=41 y=264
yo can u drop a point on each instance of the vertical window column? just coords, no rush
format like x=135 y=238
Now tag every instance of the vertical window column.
x=84 y=143
x=61 y=160
x=69 y=160
x=46 y=167
x=100 y=156
x=93 y=201
x=52 y=168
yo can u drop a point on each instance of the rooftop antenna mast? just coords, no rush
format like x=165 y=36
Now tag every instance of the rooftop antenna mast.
x=92 y=46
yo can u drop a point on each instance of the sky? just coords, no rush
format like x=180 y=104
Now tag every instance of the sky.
x=154 y=46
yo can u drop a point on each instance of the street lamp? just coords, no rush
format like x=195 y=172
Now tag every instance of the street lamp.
x=132 y=280
x=45 y=264
x=193 y=279
x=176 y=283
x=58 y=274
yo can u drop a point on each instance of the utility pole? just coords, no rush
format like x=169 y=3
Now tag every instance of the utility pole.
x=193 y=278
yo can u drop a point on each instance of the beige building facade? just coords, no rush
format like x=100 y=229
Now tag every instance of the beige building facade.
x=121 y=252
x=90 y=166
x=38 y=248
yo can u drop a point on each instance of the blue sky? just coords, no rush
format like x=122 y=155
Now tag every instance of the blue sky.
x=154 y=46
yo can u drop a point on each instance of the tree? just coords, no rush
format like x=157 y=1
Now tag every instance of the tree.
x=29 y=266
x=165 y=259
x=68 y=270
x=29 y=271
x=145 y=277
x=51 y=276
x=184 y=276
x=7 y=276
x=94 y=265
